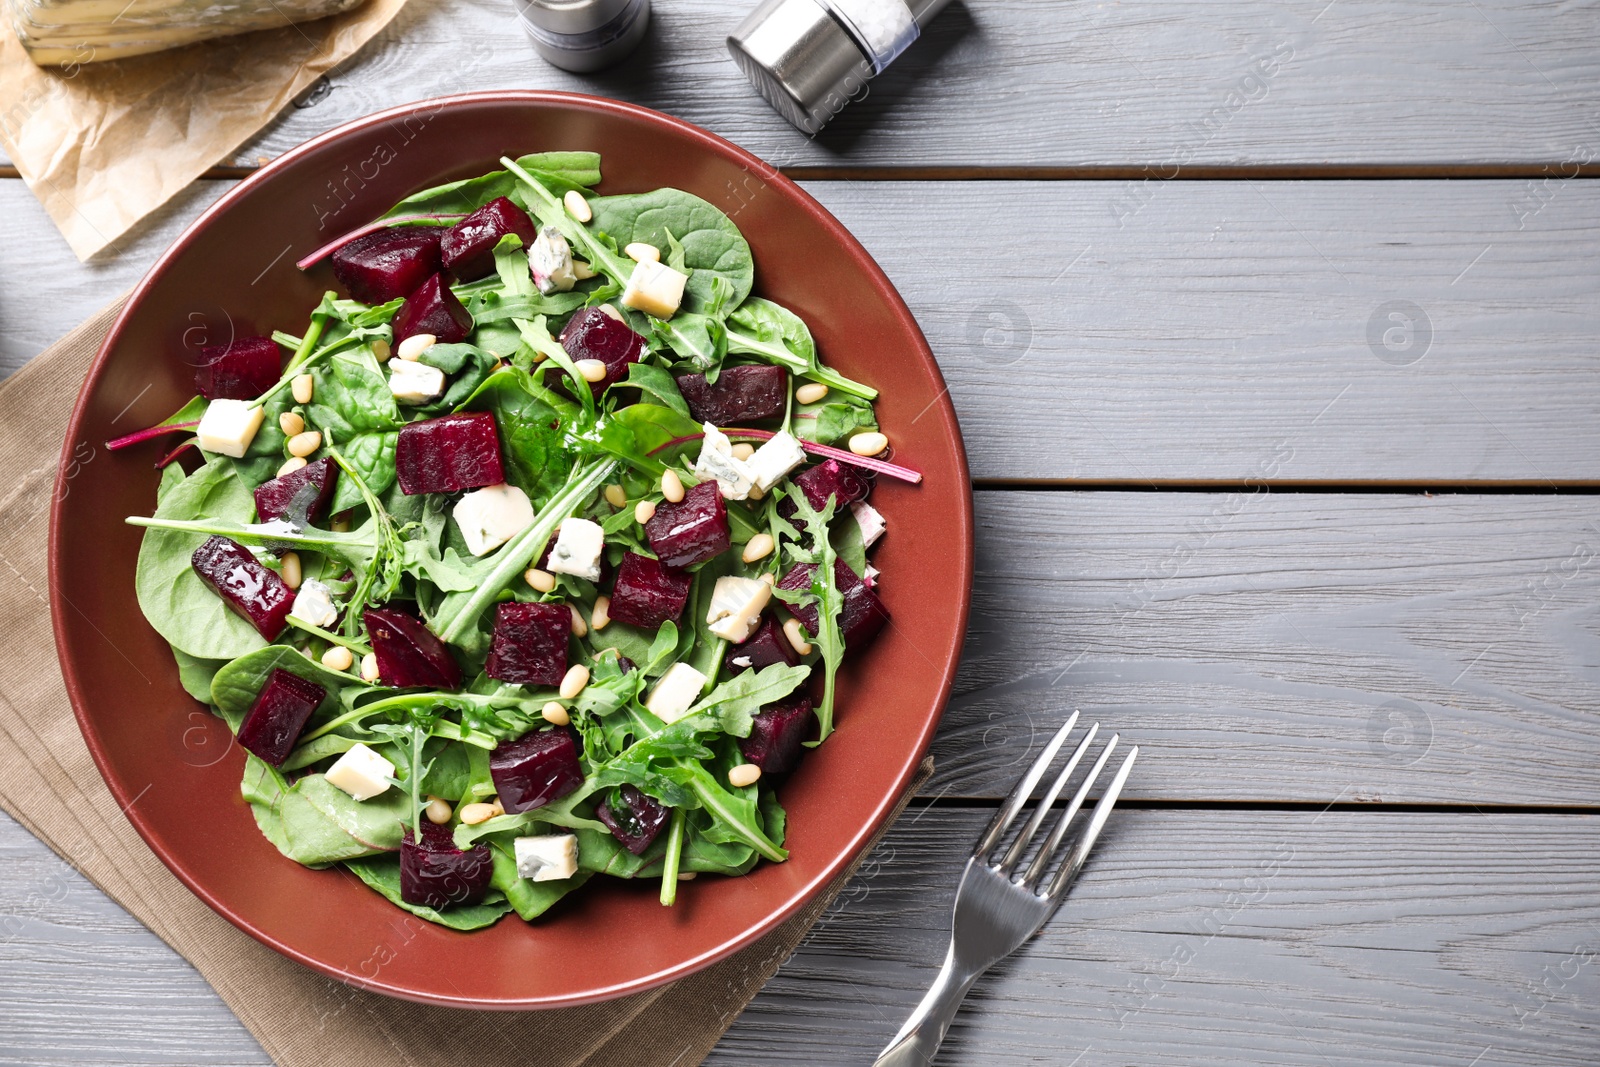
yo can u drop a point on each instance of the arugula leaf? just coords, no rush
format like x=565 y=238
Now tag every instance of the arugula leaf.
x=651 y=380
x=740 y=697
x=833 y=419
x=558 y=171
x=181 y=607
x=383 y=874
x=771 y=332
x=825 y=593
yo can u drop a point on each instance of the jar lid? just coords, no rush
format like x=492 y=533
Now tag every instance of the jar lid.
x=801 y=59
x=571 y=16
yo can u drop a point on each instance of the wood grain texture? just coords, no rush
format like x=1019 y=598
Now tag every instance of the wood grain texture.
x=1055 y=83
x=1194 y=938
x=1290 y=647
x=1213 y=332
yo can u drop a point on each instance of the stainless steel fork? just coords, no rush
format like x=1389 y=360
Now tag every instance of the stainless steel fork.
x=996 y=910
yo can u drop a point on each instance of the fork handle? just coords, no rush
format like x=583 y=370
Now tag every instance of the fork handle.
x=919 y=1038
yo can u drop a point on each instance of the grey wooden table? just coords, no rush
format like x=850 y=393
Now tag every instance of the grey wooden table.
x=1282 y=395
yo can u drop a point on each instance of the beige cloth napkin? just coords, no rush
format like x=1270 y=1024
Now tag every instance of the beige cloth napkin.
x=104 y=144
x=49 y=783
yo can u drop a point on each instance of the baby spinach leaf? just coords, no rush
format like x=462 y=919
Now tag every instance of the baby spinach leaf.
x=530 y=420
x=195 y=674
x=238 y=683
x=352 y=406
x=317 y=824
x=712 y=245
x=529 y=899
x=557 y=171
x=833 y=419
x=181 y=607
x=771 y=332
x=383 y=874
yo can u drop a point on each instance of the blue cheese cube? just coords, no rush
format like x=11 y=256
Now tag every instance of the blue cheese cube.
x=314 y=603
x=676 y=692
x=414 y=382
x=228 y=427
x=655 y=289
x=577 y=549
x=871 y=522
x=491 y=516
x=736 y=605
x=773 y=461
x=361 y=772
x=547 y=857
x=550 y=261
x=717 y=462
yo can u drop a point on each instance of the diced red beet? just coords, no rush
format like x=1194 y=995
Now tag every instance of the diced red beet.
x=739 y=395
x=449 y=454
x=534 y=770
x=248 y=587
x=302 y=495
x=530 y=643
x=436 y=874
x=279 y=713
x=633 y=818
x=647 y=592
x=828 y=478
x=467 y=248
x=862 y=614
x=592 y=334
x=432 y=308
x=389 y=263
x=778 y=734
x=762 y=649
x=693 y=530
x=408 y=652
x=243 y=369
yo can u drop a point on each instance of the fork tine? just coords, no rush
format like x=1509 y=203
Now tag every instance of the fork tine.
x=1047 y=851
x=1019 y=796
x=1102 y=810
x=1014 y=854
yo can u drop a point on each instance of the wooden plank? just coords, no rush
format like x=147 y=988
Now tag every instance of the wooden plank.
x=1413 y=83
x=1286 y=647
x=1227 y=939
x=1212 y=332
x=1193 y=938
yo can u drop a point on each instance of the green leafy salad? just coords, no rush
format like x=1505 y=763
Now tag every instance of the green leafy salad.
x=532 y=556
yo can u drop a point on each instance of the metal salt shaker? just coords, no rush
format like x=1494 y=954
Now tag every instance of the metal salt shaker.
x=584 y=35
x=811 y=57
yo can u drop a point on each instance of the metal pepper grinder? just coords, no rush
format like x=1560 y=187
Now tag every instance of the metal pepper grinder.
x=810 y=58
x=584 y=35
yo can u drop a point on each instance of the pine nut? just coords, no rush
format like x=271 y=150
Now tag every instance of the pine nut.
x=744 y=774
x=304 y=387
x=639 y=252
x=338 y=658
x=743 y=450
x=591 y=370
x=616 y=496
x=770 y=578
x=290 y=465
x=380 y=350
x=290 y=570
x=671 y=486
x=291 y=423
x=438 y=810
x=811 y=392
x=303 y=444
x=473 y=814
x=340 y=523
x=601 y=613
x=756 y=493
x=499 y=808
x=556 y=713
x=577 y=677
x=412 y=347
x=577 y=206
x=758 y=547
x=687 y=876
x=579 y=627
x=869 y=443
x=543 y=581
x=797 y=637
x=613 y=312
x=644 y=511
x=581 y=270
x=369 y=667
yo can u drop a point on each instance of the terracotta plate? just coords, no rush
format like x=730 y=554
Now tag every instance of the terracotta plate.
x=175 y=767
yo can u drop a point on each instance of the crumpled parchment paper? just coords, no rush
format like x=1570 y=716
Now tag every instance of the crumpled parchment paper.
x=104 y=144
